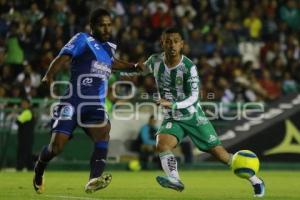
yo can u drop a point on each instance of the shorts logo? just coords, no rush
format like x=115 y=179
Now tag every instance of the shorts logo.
x=169 y=125
x=212 y=138
x=66 y=112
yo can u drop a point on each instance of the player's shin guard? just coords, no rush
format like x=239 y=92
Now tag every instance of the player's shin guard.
x=169 y=164
x=45 y=156
x=98 y=159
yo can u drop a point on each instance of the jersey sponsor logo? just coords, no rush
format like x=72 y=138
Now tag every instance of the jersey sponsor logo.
x=87 y=82
x=101 y=69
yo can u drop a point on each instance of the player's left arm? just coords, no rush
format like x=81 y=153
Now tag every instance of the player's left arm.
x=192 y=87
x=54 y=67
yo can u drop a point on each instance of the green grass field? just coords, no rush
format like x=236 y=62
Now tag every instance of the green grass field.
x=208 y=185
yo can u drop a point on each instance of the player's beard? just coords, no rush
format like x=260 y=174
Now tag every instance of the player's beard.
x=103 y=37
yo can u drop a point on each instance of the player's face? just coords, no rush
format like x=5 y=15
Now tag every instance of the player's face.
x=103 y=28
x=172 y=44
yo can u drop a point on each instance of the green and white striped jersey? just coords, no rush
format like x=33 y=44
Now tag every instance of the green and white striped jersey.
x=179 y=84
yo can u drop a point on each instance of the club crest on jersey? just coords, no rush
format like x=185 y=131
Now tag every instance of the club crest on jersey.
x=101 y=69
x=179 y=80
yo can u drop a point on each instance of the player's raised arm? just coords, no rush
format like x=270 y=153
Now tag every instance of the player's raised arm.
x=54 y=67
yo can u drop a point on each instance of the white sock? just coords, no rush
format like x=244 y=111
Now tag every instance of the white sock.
x=255 y=180
x=169 y=164
x=230 y=160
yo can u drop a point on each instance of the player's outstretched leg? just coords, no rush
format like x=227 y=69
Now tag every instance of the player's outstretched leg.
x=48 y=152
x=168 y=163
x=222 y=155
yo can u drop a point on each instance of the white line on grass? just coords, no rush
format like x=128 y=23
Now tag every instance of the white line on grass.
x=69 y=197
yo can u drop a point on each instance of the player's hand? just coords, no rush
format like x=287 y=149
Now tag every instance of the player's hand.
x=47 y=80
x=140 y=66
x=165 y=103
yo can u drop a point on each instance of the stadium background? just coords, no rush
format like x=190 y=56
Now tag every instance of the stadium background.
x=245 y=51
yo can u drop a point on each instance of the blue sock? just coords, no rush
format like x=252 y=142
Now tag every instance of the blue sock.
x=44 y=157
x=98 y=159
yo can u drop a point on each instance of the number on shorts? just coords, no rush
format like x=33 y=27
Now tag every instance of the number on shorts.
x=169 y=125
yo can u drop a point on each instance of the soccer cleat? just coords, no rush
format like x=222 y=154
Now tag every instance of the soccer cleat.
x=38 y=184
x=259 y=189
x=170 y=182
x=98 y=183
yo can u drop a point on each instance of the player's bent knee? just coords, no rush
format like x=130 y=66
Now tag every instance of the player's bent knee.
x=161 y=147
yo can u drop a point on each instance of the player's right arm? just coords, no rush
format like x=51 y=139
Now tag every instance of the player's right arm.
x=60 y=60
x=73 y=48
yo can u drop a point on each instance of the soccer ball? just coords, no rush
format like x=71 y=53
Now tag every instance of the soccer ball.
x=245 y=164
x=134 y=165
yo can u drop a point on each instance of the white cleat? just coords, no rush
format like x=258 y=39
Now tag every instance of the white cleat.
x=98 y=183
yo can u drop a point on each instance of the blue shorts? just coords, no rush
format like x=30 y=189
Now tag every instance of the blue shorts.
x=67 y=116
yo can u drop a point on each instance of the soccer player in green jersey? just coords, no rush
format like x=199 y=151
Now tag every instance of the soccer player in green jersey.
x=178 y=85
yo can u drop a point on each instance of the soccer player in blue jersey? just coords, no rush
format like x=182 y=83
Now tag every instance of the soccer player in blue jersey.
x=92 y=60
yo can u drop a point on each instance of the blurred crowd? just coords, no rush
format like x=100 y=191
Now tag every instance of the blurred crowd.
x=244 y=50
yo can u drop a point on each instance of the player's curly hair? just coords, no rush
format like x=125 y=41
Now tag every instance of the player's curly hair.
x=96 y=14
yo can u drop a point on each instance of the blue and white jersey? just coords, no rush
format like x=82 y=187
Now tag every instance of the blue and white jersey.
x=90 y=67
